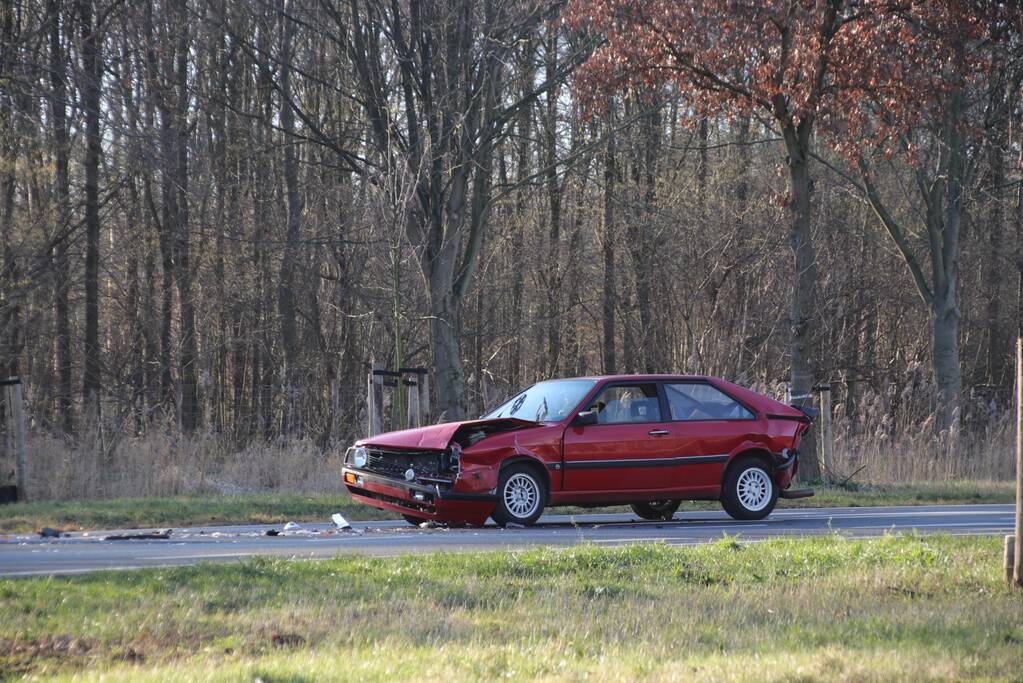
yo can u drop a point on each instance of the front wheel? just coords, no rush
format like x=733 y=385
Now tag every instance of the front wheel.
x=661 y=510
x=748 y=491
x=521 y=496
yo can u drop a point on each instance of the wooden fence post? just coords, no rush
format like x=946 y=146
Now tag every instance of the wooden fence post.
x=374 y=400
x=16 y=432
x=1017 y=570
x=1010 y=552
x=335 y=410
x=413 y=402
x=827 y=442
x=424 y=398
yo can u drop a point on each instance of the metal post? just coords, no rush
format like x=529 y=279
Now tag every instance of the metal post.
x=1017 y=570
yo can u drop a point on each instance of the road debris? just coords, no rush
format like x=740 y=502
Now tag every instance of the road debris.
x=342 y=525
x=48 y=532
x=272 y=532
x=157 y=535
x=292 y=526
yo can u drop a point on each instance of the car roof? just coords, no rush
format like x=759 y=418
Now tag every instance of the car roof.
x=643 y=378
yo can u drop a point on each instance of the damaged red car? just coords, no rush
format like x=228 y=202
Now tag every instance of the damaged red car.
x=649 y=441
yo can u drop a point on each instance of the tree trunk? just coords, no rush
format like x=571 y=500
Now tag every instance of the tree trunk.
x=445 y=330
x=518 y=259
x=945 y=228
x=804 y=286
x=647 y=280
x=945 y=359
x=91 y=75
x=62 y=196
x=286 y=283
x=13 y=110
x=190 y=416
x=554 y=188
x=993 y=266
x=609 y=289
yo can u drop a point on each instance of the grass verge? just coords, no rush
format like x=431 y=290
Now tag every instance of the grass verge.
x=893 y=608
x=272 y=508
x=171 y=511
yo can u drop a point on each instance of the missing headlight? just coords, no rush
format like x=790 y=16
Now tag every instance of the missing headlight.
x=449 y=459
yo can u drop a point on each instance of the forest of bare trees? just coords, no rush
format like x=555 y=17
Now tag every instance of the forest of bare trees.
x=215 y=214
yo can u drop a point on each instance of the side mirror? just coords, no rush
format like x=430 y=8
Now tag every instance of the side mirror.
x=587 y=417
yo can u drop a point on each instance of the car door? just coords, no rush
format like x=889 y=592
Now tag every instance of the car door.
x=627 y=449
x=705 y=425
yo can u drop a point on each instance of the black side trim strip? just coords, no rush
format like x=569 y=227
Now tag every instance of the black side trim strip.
x=455 y=495
x=647 y=462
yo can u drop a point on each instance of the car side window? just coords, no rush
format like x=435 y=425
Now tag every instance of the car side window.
x=698 y=401
x=624 y=404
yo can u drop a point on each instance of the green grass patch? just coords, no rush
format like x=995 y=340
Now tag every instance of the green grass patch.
x=273 y=508
x=893 y=608
x=261 y=508
x=913 y=493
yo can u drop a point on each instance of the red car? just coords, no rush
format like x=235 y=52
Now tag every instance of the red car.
x=649 y=441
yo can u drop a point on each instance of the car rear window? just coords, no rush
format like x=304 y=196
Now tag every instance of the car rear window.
x=698 y=401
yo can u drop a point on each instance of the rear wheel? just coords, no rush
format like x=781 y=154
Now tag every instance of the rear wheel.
x=661 y=510
x=748 y=491
x=521 y=496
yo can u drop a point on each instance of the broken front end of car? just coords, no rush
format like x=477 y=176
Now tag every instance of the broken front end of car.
x=426 y=484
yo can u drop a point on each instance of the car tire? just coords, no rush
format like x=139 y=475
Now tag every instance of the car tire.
x=662 y=510
x=521 y=496
x=748 y=491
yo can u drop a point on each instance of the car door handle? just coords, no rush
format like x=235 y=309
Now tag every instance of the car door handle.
x=657 y=432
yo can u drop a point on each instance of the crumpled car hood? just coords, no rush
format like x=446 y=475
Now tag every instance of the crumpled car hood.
x=438 y=437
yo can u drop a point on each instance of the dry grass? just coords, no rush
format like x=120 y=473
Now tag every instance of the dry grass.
x=172 y=465
x=879 y=453
x=888 y=442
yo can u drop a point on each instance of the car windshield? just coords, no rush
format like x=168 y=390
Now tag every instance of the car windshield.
x=549 y=401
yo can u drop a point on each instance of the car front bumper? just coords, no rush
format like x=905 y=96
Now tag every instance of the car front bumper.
x=428 y=501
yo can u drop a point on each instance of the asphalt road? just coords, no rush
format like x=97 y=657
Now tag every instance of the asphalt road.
x=27 y=555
